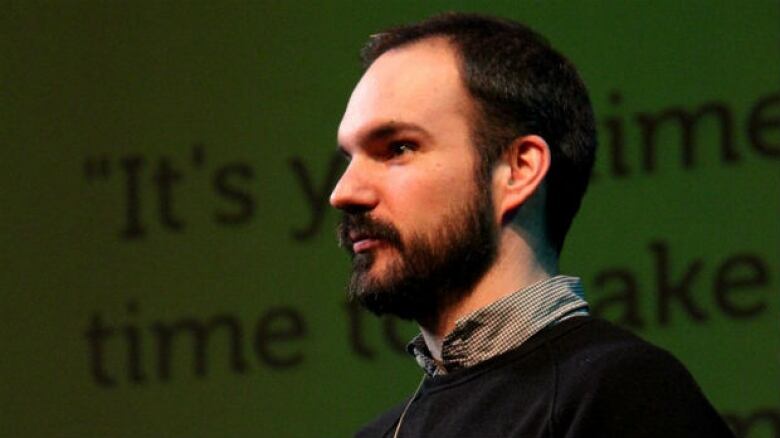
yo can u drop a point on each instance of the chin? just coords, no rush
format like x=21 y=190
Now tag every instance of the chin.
x=375 y=261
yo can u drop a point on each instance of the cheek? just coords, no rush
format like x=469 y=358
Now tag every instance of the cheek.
x=420 y=198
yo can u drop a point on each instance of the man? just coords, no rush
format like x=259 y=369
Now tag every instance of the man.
x=470 y=144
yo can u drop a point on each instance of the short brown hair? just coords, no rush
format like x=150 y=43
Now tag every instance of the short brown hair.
x=521 y=86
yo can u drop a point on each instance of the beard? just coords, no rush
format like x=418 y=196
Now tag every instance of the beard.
x=427 y=272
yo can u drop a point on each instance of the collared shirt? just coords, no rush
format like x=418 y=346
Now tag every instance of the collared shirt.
x=504 y=324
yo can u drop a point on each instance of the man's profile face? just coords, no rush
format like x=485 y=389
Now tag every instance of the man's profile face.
x=419 y=228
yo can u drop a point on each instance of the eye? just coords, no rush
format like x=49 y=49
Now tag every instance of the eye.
x=401 y=147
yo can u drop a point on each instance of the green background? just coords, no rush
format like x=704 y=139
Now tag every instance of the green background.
x=264 y=84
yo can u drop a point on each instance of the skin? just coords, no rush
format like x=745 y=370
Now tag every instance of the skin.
x=407 y=132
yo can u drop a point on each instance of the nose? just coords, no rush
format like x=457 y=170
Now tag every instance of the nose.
x=355 y=189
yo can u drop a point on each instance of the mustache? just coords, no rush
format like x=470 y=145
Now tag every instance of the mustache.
x=364 y=226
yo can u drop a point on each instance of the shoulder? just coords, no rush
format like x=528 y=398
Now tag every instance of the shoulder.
x=600 y=347
x=611 y=382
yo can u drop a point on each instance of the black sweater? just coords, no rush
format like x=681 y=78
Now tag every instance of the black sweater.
x=583 y=377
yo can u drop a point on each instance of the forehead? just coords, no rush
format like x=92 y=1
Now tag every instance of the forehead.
x=417 y=84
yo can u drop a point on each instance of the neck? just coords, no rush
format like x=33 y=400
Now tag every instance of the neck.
x=517 y=266
x=433 y=342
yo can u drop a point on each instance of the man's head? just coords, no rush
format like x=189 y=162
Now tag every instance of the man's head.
x=441 y=106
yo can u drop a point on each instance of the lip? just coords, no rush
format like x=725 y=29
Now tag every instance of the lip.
x=365 y=244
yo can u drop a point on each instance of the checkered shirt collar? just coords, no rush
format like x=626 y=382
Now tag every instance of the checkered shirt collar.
x=504 y=325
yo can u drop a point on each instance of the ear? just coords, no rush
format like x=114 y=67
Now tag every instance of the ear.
x=520 y=173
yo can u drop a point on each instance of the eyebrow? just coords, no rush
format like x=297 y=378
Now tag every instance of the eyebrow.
x=387 y=130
